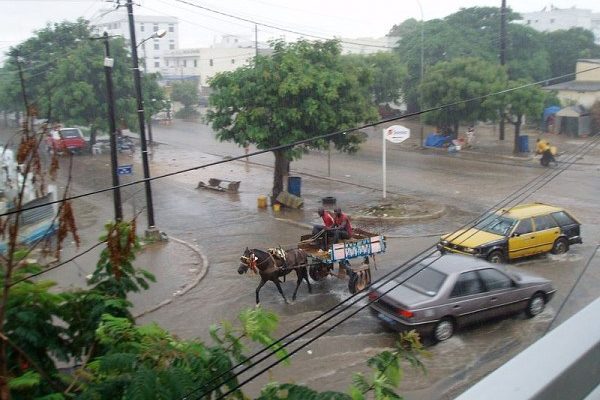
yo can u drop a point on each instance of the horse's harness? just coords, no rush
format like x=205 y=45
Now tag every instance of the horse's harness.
x=251 y=261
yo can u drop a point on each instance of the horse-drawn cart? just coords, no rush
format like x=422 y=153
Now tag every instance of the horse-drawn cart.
x=363 y=245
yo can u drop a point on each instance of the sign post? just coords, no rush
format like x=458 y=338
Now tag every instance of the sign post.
x=394 y=134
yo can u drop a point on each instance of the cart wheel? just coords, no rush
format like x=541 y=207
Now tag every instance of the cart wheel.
x=318 y=271
x=359 y=281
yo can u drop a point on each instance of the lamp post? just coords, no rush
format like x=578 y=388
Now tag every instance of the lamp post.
x=421 y=77
x=152 y=232
x=156 y=35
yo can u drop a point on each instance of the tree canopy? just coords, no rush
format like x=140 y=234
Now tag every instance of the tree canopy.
x=453 y=82
x=301 y=91
x=64 y=74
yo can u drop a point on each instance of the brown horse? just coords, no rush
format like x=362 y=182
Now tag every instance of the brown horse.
x=270 y=269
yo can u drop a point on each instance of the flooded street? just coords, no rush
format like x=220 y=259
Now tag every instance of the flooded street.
x=222 y=225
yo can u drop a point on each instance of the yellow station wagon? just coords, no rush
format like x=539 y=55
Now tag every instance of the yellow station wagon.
x=521 y=231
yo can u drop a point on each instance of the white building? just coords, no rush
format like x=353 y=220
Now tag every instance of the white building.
x=152 y=51
x=201 y=64
x=552 y=19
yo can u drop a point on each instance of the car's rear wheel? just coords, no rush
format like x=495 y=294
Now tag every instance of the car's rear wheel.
x=443 y=330
x=560 y=246
x=536 y=305
x=496 y=257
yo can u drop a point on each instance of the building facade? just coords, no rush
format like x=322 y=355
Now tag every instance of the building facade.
x=585 y=89
x=552 y=19
x=152 y=51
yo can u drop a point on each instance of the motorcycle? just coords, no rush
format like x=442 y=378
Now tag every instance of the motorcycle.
x=547 y=152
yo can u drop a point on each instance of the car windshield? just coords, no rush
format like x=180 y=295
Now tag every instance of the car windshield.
x=69 y=133
x=427 y=281
x=498 y=224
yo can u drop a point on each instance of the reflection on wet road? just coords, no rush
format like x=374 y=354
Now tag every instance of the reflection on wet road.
x=223 y=225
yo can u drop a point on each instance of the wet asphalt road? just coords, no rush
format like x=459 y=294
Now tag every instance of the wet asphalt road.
x=223 y=225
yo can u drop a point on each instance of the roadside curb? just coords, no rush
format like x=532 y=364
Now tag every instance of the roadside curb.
x=198 y=278
x=431 y=215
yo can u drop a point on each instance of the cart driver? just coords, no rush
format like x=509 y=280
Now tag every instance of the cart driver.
x=342 y=226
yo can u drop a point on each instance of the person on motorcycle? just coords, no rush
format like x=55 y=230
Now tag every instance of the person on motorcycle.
x=547 y=151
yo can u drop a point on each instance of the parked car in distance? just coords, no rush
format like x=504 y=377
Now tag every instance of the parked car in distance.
x=66 y=140
x=440 y=294
x=521 y=231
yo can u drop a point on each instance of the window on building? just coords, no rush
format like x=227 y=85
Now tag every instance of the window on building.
x=167 y=63
x=171 y=28
x=551 y=20
x=155 y=27
x=156 y=46
x=171 y=45
x=195 y=63
x=211 y=63
x=233 y=60
x=141 y=27
x=185 y=63
x=157 y=64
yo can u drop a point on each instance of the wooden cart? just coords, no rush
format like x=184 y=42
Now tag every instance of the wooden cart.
x=362 y=245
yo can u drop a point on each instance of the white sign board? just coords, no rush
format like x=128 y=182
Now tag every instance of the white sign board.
x=396 y=133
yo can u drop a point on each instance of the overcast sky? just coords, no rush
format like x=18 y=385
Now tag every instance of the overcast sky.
x=324 y=18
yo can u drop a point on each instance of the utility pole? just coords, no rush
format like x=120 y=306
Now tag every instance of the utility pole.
x=255 y=40
x=108 y=64
x=151 y=232
x=502 y=56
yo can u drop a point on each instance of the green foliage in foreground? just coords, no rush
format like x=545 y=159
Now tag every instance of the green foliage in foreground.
x=110 y=357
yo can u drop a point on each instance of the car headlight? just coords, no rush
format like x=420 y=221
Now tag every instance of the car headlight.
x=444 y=242
x=470 y=250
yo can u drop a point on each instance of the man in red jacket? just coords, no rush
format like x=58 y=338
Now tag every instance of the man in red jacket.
x=342 y=226
x=327 y=227
x=327 y=221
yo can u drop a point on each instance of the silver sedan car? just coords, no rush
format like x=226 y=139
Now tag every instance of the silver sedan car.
x=443 y=293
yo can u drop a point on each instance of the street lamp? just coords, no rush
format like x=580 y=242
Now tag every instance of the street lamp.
x=156 y=35
x=421 y=78
x=152 y=232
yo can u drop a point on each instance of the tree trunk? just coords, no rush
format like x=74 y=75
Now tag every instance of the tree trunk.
x=501 y=127
x=281 y=164
x=517 y=125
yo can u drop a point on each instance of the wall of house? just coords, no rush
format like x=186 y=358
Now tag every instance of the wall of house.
x=586 y=99
x=588 y=76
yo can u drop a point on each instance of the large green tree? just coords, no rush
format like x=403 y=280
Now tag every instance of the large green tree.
x=389 y=73
x=523 y=99
x=301 y=91
x=186 y=93
x=64 y=77
x=470 y=32
x=566 y=47
x=451 y=83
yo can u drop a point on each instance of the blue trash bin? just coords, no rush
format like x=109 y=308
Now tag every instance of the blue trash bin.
x=295 y=185
x=524 y=144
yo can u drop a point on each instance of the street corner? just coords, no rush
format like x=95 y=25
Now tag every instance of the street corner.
x=400 y=208
x=178 y=267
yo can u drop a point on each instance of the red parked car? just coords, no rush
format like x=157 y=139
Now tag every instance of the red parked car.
x=66 y=139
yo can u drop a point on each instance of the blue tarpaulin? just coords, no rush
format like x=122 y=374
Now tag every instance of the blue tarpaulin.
x=548 y=111
x=434 y=140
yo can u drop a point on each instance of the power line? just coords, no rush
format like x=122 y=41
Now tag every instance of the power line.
x=277 y=27
x=304 y=141
x=585 y=148
x=524 y=189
